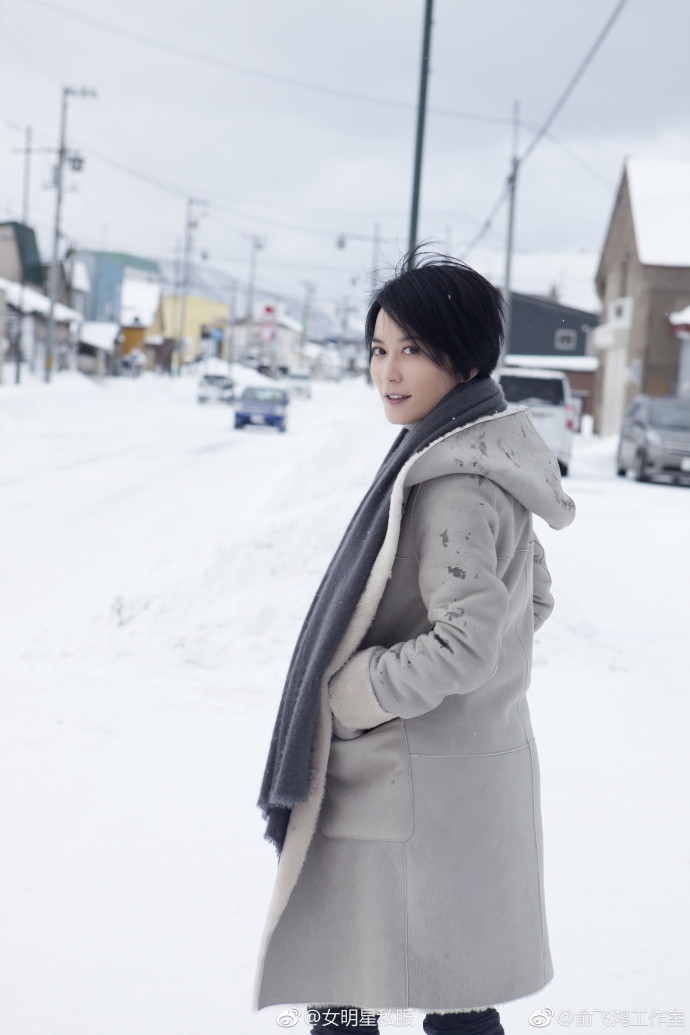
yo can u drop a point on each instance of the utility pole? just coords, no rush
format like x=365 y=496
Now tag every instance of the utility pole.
x=309 y=292
x=76 y=162
x=512 y=187
x=25 y=222
x=421 y=113
x=375 y=253
x=256 y=243
x=190 y=225
x=232 y=315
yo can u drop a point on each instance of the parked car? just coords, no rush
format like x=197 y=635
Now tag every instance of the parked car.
x=262 y=405
x=655 y=438
x=215 y=388
x=298 y=383
x=547 y=395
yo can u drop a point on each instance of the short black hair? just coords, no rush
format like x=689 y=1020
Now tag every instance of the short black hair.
x=454 y=313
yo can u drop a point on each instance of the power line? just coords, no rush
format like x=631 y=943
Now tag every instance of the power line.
x=219 y=204
x=255 y=73
x=487 y=224
x=566 y=149
x=544 y=128
x=555 y=111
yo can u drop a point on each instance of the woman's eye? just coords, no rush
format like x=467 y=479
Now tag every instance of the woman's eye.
x=411 y=349
x=376 y=350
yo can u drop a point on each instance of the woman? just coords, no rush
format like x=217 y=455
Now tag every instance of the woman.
x=402 y=784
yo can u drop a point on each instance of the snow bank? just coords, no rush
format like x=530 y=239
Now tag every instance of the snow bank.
x=157 y=568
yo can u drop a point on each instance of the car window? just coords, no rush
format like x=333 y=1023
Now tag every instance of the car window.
x=671 y=415
x=634 y=412
x=216 y=379
x=532 y=389
x=264 y=394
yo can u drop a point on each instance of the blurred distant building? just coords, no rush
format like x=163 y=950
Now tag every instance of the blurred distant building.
x=19 y=258
x=73 y=284
x=204 y=332
x=680 y=323
x=643 y=277
x=124 y=288
x=125 y=291
x=548 y=335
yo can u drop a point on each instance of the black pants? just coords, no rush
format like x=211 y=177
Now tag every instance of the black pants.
x=349 y=1020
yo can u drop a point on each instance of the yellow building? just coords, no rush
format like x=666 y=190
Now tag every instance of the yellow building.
x=205 y=325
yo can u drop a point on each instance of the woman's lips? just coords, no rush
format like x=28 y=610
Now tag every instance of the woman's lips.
x=396 y=399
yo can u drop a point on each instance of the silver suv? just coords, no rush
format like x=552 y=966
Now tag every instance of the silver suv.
x=655 y=438
x=547 y=395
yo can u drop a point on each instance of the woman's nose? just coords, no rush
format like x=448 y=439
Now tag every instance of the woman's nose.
x=391 y=369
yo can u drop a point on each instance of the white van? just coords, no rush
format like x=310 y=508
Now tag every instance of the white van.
x=547 y=395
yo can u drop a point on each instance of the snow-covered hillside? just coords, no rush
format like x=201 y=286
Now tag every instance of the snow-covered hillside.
x=156 y=568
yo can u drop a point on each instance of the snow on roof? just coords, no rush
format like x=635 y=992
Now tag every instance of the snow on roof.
x=289 y=323
x=28 y=300
x=79 y=276
x=140 y=299
x=681 y=318
x=584 y=364
x=660 y=201
x=99 y=335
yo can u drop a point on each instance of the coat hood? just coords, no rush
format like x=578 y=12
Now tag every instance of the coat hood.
x=507 y=449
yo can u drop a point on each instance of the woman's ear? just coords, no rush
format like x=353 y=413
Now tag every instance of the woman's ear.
x=473 y=373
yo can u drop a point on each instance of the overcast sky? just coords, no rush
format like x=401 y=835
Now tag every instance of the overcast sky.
x=302 y=164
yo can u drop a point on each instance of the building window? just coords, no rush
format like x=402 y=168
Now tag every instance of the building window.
x=625 y=265
x=566 y=341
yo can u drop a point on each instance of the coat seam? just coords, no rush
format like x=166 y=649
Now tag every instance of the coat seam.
x=407 y=923
x=404 y=855
x=476 y=754
x=540 y=867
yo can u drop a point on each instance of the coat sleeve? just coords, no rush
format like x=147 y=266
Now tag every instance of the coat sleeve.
x=453 y=524
x=542 y=599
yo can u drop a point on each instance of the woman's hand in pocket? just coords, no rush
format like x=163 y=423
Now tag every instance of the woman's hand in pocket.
x=343 y=732
x=352 y=697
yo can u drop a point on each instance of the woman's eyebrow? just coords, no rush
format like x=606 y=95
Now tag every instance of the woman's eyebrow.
x=404 y=337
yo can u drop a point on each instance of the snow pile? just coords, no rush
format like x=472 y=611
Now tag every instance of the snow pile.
x=157 y=569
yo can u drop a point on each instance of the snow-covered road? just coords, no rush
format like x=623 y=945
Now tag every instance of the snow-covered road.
x=156 y=568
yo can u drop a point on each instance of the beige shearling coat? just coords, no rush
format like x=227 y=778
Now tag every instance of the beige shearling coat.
x=412 y=877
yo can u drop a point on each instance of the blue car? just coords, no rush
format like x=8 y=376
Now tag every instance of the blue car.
x=262 y=406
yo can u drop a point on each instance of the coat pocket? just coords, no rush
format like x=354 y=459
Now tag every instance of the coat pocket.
x=368 y=793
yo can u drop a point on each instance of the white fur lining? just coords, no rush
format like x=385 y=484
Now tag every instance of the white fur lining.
x=352 y=696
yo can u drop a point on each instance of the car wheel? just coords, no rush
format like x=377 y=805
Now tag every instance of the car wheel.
x=563 y=469
x=239 y=424
x=282 y=426
x=640 y=473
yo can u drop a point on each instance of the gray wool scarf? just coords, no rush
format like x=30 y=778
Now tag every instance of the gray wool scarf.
x=286 y=777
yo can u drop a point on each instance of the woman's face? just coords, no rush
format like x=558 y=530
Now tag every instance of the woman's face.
x=409 y=383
